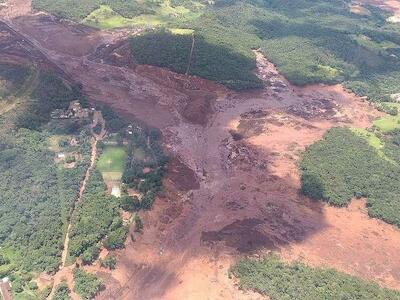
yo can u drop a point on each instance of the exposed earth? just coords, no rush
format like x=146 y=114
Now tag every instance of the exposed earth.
x=232 y=187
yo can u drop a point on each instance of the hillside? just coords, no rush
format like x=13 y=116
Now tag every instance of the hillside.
x=309 y=41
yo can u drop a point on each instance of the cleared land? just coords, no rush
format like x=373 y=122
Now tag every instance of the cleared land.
x=111 y=162
x=388 y=123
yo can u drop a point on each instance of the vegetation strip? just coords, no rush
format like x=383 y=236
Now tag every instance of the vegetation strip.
x=281 y=281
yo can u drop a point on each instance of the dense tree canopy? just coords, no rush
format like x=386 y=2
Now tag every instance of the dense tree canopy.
x=281 y=281
x=343 y=165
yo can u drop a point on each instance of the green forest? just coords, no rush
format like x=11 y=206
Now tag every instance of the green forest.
x=36 y=194
x=96 y=222
x=36 y=191
x=86 y=284
x=144 y=152
x=210 y=61
x=344 y=165
x=285 y=281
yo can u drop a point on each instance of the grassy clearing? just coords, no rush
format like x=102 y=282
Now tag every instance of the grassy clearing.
x=106 y=18
x=54 y=142
x=183 y=31
x=370 y=137
x=373 y=141
x=281 y=281
x=388 y=123
x=111 y=162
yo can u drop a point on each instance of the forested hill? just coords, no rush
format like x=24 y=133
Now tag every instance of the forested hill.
x=310 y=41
x=37 y=189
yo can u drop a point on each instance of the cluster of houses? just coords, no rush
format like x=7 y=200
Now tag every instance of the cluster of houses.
x=74 y=111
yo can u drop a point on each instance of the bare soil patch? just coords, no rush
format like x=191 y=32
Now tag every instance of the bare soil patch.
x=60 y=36
x=241 y=234
x=389 y=5
x=181 y=176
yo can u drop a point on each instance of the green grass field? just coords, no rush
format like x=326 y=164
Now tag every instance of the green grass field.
x=106 y=18
x=388 y=123
x=111 y=162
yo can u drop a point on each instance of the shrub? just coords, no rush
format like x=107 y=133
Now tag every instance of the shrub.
x=90 y=255
x=70 y=159
x=138 y=223
x=4 y=260
x=391 y=110
x=109 y=262
x=116 y=238
x=86 y=284
x=62 y=292
x=33 y=286
x=129 y=203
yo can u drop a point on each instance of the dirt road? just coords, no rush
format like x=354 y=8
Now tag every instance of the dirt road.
x=65 y=272
x=232 y=187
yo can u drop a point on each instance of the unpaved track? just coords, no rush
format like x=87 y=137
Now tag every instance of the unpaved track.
x=246 y=200
x=66 y=272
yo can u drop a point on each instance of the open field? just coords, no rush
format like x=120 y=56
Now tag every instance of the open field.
x=388 y=123
x=111 y=162
x=232 y=187
x=106 y=18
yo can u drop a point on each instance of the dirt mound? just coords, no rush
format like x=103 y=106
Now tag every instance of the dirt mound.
x=242 y=235
x=251 y=124
x=315 y=108
x=117 y=54
x=198 y=107
x=59 y=35
x=181 y=176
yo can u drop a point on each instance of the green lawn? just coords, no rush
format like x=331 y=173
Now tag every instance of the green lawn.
x=388 y=123
x=111 y=162
x=106 y=18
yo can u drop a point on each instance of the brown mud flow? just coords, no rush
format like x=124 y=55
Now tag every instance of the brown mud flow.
x=232 y=186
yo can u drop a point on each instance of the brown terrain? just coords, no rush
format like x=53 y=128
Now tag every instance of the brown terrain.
x=232 y=187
